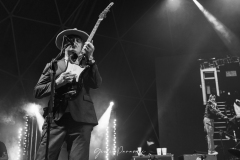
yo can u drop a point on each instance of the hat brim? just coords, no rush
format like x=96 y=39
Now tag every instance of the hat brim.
x=67 y=32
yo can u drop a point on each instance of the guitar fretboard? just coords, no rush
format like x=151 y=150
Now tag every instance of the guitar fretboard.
x=94 y=30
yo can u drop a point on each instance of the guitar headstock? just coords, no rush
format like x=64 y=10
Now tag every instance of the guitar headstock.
x=103 y=14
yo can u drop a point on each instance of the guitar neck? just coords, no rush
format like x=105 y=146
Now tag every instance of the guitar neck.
x=94 y=30
x=101 y=17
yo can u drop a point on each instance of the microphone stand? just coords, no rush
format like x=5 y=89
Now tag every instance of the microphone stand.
x=51 y=104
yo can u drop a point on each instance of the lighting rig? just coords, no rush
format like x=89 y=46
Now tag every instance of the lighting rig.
x=215 y=63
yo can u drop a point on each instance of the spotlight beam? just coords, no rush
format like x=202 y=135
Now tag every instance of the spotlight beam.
x=229 y=39
x=99 y=133
x=33 y=109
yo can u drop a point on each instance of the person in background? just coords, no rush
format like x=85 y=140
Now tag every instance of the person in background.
x=152 y=147
x=211 y=112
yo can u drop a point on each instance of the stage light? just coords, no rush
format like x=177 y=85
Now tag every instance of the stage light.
x=114 y=136
x=111 y=103
x=107 y=145
x=33 y=110
x=173 y=5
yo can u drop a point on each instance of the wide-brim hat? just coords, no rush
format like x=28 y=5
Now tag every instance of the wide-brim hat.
x=84 y=36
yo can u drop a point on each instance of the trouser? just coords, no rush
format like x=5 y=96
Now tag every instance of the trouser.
x=209 y=128
x=75 y=134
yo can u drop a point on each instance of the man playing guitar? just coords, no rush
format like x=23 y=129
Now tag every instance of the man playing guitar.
x=74 y=118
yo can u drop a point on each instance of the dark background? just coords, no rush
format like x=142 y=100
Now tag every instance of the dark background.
x=141 y=45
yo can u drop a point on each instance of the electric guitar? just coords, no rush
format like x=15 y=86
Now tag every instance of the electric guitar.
x=73 y=88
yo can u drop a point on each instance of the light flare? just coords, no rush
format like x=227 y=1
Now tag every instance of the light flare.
x=34 y=110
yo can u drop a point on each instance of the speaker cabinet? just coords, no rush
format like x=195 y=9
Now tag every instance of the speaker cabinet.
x=197 y=157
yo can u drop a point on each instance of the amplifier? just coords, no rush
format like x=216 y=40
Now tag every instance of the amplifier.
x=154 y=157
x=197 y=157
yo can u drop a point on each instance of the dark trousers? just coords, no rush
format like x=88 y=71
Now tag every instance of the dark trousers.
x=75 y=134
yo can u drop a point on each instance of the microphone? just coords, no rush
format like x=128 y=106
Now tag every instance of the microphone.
x=68 y=40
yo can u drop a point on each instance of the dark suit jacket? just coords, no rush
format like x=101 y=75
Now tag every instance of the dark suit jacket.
x=81 y=108
x=152 y=149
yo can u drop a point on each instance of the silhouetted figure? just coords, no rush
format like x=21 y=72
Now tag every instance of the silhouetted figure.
x=3 y=151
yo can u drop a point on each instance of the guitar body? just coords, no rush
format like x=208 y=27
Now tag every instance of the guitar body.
x=71 y=90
